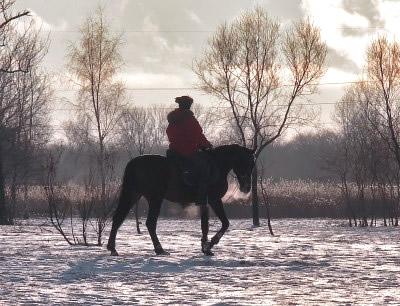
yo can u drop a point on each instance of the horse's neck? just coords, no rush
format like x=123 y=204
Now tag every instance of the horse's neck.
x=223 y=158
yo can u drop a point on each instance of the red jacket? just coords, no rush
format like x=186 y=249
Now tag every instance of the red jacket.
x=185 y=133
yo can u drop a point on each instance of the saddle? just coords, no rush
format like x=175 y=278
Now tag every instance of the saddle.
x=187 y=171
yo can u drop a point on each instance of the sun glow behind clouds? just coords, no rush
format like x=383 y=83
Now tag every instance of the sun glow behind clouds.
x=391 y=11
x=332 y=19
x=334 y=75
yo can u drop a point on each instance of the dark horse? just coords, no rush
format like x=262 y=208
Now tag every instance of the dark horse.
x=156 y=178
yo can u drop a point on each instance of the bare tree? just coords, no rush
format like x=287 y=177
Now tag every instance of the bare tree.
x=94 y=62
x=64 y=203
x=29 y=129
x=382 y=91
x=266 y=199
x=14 y=54
x=260 y=76
x=338 y=160
x=59 y=205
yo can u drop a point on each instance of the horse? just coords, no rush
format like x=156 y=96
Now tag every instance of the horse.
x=156 y=178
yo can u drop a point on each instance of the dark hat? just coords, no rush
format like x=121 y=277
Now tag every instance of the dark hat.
x=184 y=100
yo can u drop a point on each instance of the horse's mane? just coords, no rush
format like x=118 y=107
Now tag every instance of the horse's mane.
x=229 y=148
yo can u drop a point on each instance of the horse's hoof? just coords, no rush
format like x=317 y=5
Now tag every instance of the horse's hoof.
x=206 y=248
x=208 y=253
x=161 y=252
x=114 y=253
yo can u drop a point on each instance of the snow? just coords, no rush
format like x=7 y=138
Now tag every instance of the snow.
x=309 y=262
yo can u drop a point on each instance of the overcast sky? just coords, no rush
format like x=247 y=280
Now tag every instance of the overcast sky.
x=161 y=38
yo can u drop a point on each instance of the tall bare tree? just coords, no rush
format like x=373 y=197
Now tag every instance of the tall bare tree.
x=94 y=62
x=381 y=91
x=259 y=76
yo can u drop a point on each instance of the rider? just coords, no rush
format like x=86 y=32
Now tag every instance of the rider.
x=188 y=141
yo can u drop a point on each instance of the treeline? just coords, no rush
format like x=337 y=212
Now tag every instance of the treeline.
x=367 y=145
x=312 y=175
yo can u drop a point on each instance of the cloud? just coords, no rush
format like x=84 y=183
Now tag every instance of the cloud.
x=346 y=52
x=149 y=25
x=40 y=23
x=366 y=8
x=194 y=17
x=151 y=80
x=341 y=60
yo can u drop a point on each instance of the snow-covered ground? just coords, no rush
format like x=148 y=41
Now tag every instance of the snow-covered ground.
x=308 y=262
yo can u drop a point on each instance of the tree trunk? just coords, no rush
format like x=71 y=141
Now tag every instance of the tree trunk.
x=13 y=197
x=102 y=172
x=254 y=196
x=3 y=207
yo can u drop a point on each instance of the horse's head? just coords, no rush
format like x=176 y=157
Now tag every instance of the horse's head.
x=243 y=167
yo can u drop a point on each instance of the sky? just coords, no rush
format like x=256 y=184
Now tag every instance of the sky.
x=162 y=38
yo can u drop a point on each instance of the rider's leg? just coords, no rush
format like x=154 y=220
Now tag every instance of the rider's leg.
x=202 y=169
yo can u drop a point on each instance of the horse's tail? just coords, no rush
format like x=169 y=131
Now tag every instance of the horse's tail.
x=127 y=195
x=127 y=198
x=127 y=192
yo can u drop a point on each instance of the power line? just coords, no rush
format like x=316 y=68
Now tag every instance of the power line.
x=207 y=31
x=60 y=129
x=199 y=89
x=216 y=107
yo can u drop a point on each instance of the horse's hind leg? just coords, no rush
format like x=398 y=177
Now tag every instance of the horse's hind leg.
x=151 y=223
x=220 y=213
x=124 y=206
x=205 y=244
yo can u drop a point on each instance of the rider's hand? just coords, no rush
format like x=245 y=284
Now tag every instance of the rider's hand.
x=206 y=148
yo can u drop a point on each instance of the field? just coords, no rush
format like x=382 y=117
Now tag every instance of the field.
x=308 y=262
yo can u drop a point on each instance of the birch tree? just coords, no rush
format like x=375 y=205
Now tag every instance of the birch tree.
x=94 y=62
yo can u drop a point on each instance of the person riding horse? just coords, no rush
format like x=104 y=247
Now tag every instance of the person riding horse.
x=156 y=178
x=188 y=144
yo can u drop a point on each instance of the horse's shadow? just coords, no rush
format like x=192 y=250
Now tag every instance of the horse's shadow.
x=102 y=266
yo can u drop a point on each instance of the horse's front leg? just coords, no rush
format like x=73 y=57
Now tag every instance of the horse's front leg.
x=220 y=213
x=151 y=223
x=205 y=244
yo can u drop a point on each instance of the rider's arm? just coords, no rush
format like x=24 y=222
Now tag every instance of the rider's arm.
x=203 y=142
